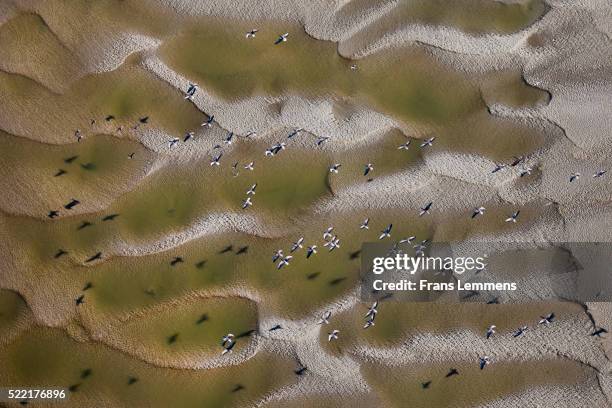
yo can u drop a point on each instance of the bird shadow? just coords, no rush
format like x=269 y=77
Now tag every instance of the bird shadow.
x=336 y=281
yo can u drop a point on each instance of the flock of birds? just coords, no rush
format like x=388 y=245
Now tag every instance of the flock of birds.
x=330 y=240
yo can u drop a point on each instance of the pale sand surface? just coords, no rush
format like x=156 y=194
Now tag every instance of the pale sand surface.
x=536 y=85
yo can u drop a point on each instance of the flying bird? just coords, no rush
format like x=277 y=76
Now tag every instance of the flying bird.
x=404 y=146
x=215 y=160
x=321 y=140
x=498 y=167
x=428 y=142
x=188 y=135
x=372 y=311
x=483 y=361
x=208 y=122
x=281 y=38
x=311 y=250
x=284 y=262
x=80 y=300
x=547 y=319
x=247 y=203
x=334 y=168
x=325 y=318
x=173 y=142
x=478 y=211
x=191 y=90
x=332 y=244
x=386 y=232
x=327 y=233
x=333 y=335
x=425 y=209
x=525 y=172
x=249 y=166
x=513 y=217
x=251 y=191
x=520 y=331
x=364 y=224
x=277 y=255
x=294 y=133
x=297 y=244
x=599 y=173
x=251 y=34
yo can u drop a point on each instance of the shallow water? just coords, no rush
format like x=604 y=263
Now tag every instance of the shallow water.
x=47 y=357
x=402 y=386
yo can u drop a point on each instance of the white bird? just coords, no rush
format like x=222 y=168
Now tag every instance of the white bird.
x=333 y=335
x=227 y=339
x=547 y=319
x=599 y=173
x=327 y=233
x=334 y=168
x=215 y=160
x=294 y=133
x=404 y=146
x=369 y=323
x=478 y=211
x=425 y=210
x=520 y=331
x=332 y=244
x=372 y=310
x=209 y=121
x=188 y=135
x=386 y=232
x=251 y=191
x=250 y=133
x=247 y=203
x=525 y=172
x=574 y=177
x=406 y=240
x=278 y=254
x=311 y=250
x=428 y=142
x=191 y=90
x=498 y=167
x=491 y=331
x=173 y=142
x=368 y=168
x=284 y=262
x=325 y=318
x=483 y=361
x=321 y=140
x=297 y=244
x=364 y=224
x=251 y=34
x=513 y=217
x=249 y=166
x=275 y=149
x=281 y=38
